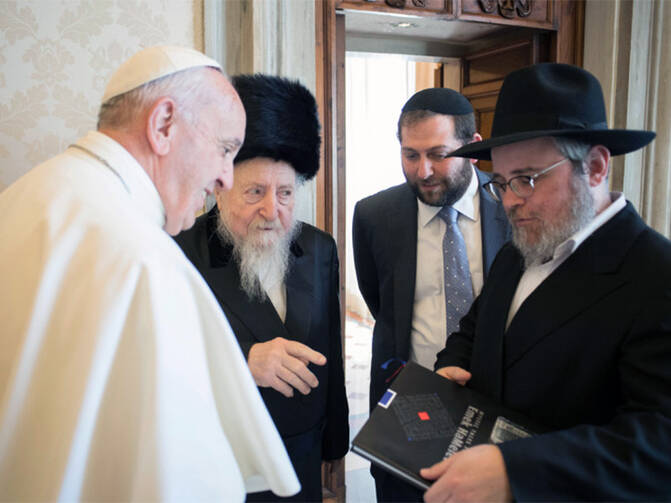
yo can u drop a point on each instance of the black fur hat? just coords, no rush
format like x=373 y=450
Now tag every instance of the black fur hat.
x=282 y=122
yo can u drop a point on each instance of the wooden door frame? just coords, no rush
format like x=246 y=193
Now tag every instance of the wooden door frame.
x=330 y=95
x=566 y=46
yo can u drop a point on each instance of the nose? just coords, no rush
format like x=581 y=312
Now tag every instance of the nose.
x=424 y=168
x=509 y=199
x=269 y=206
x=225 y=179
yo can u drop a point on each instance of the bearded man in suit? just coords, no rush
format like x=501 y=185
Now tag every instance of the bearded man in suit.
x=277 y=278
x=573 y=327
x=407 y=280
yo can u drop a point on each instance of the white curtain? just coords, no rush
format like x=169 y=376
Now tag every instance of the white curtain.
x=377 y=86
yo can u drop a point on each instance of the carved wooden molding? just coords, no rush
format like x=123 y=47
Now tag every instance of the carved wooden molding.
x=400 y=4
x=507 y=8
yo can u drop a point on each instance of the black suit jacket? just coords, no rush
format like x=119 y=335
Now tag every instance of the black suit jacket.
x=312 y=318
x=385 y=256
x=589 y=354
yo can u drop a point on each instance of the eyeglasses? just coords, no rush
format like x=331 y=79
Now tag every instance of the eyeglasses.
x=522 y=186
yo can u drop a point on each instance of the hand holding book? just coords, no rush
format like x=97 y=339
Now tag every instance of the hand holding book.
x=475 y=474
x=456 y=374
x=424 y=418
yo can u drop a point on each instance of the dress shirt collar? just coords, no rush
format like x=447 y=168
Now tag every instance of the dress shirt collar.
x=133 y=176
x=466 y=205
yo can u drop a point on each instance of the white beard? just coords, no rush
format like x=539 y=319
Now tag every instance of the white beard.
x=262 y=257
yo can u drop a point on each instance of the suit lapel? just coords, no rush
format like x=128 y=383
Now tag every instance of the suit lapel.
x=402 y=232
x=492 y=321
x=299 y=299
x=587 y=276
x=260 y=318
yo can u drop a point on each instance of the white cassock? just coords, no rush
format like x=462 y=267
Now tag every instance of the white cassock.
x=120 y=378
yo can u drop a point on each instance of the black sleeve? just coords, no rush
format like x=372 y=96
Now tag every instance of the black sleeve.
x=335 y=440
x=364 y=262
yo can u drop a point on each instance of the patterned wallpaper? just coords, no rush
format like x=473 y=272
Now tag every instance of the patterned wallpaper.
x=55 y=59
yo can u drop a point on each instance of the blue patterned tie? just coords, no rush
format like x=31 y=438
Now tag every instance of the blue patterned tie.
x=458 y=287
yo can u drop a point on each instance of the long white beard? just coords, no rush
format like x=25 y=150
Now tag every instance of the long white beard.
x=578 y=213
x=262 y=257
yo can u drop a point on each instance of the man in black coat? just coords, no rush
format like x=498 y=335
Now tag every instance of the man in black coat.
x=573 y=327
x=398 y=235
x=277 y=279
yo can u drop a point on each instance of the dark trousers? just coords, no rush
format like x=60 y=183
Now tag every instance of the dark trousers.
x=305 y=452
x=390 y=489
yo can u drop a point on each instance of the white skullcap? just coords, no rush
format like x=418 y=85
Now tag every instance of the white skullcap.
x=153 y=63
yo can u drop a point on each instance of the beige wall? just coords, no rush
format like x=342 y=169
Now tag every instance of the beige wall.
x=55 y=58
x=627 y=47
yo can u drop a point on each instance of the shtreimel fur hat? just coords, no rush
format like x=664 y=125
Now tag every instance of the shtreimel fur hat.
x=282 y=122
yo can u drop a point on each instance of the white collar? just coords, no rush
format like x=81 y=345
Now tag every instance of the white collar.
x=465 y=205
x=133 y=176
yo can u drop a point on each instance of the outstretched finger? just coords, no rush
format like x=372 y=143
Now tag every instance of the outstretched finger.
x=305 y=353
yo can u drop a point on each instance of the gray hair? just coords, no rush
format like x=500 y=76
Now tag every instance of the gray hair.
x=574 y=150
x=185 y=87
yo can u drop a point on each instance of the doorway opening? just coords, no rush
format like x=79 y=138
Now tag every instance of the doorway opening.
x=377 y=86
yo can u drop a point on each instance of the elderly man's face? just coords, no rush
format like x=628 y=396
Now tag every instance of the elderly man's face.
x=436 y=179
x=560 y=205
x=203 y=153
x=259 y=207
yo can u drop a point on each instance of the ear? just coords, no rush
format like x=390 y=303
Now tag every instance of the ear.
x=476 y=137
x=161 y=127
x=597 y=164
x=219 y=196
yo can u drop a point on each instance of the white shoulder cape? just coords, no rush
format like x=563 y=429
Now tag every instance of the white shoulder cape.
x=120 y=378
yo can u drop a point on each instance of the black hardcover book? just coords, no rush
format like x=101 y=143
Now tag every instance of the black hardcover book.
x=423 y=418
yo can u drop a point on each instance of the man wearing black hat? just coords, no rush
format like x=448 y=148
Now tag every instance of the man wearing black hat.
x=573 y=327
x=423 y=249
x=277 y=278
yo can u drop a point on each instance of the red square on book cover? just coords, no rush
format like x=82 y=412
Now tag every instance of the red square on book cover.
x=424 y=416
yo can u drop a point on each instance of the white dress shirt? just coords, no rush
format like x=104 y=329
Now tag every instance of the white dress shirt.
x=535 y=275
x=429 y=325
x=277 y=294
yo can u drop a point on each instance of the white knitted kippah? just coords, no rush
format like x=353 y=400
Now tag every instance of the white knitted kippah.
x=153 y=63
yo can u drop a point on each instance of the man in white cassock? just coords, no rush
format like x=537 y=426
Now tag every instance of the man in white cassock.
x=120 y=378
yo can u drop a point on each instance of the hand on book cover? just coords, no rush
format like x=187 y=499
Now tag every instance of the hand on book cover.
x=475 y=474
x=283 y=365
x=456 y=374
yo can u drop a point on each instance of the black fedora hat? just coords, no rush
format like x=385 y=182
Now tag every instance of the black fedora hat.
x=553 y=99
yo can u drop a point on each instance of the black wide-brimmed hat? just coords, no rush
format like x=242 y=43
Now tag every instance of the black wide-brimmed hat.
x=553 y=99
x=282 y=122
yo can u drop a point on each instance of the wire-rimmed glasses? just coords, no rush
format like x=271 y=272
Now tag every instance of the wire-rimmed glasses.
x=522 y=185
